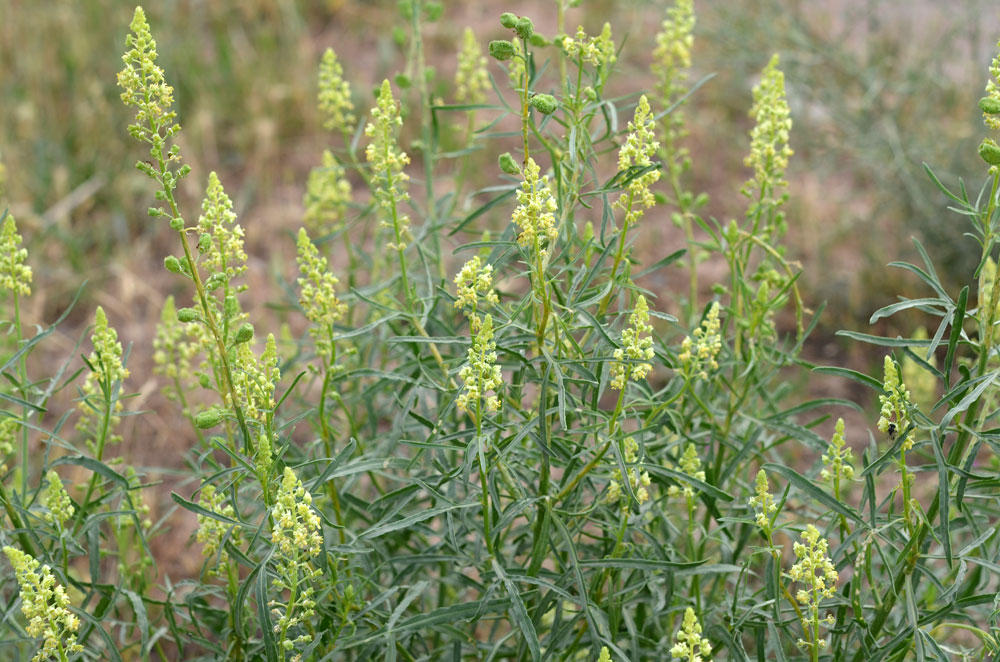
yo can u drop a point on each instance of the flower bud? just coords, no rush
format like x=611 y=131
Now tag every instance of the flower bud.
x=208 y=418
x=989 y=105
x=186 y=315
x=524 y=27
x=990 y=151
x=244 y=334
x=203 y=381
x=538 y=41
x=172 y=264
x=177 y=224
x=501 y=49
x=508 y=20
x=546 y=104
x=154 y=212
x=509 y=165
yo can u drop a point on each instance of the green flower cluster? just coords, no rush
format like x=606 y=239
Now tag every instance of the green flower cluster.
x=318 y=295
x=46 y=606
x=769 y=150
x=173 y=351
x=472 y=283
x=145 y=87
x=334 y=98
x=896 y=403
x=471 y=78
x=690 y=464
x=690 y=646
x=638 y=481
x=535 y=212
x=637 y=348
x=212 y=532
x=57 y=502
x=838 y=458
x=699 y=354
x=599 y=51
x=388 y=161
x=816 y=572
x=672 y=55
x=327 y=196
x=992 y=101
x=220 y=241
x=481 y=374
x=637 y=153
x=15 y=275
x=107 y=372
x=763 y=503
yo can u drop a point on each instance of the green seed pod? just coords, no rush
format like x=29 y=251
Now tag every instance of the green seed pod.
x=403 y=81
x=546 y=104
x=509 y=165
x=244 y=334
x=508 y=20
x=501 y=49
x=177 y=224
x=187 y=315
x=208 y=418
x=154 y=212
x=203 y=381
x=172 y=264
x=433 y=11
x=538 y=41
x=524 y=27
x=990 y=151
x=204 y=242
x=989 y=105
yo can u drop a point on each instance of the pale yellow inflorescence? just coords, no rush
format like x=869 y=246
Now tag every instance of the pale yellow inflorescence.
x=690 y=646
x=598 y=51
x=471 y=79
x=816 y=572
x=15 y=275
x=763 y=503
x=838 y=457
x=318 y=295
x=296 y=530
x=672 y=55
x=638 y=481
x=474 y=283
x=637 y=348
x=212 y=532
x=769 y=150
x=605 y=655
x=144 y=85
x=690 y=464
x=388 y=161
x=535 y=212
x=221 y=240
x=481 y=374
x=334 y=99
x=46 y=606
x=699 y=355
x=254 y=379
x=57 y=502
x=637 y=152
x=896 y=403
x=993 y=92
x=327 y=196
x=106 y=369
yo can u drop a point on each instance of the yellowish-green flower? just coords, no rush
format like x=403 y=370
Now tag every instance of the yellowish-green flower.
x=328 y=194
x=516 y=67
x=46 y=606
x=535 y=212
x=993 y=92
x=254 y=379
x=921 y=382
x=8 y=429
x=145 y=88
x=985 y=293
x=334 y=95
x=672 y=55
x=173 y=352
x=895 y=413
x=816 y=572
x=769 y=150
x=598 y=51
x=211 y=531
x=699 y=354
x=690 y=464
x=763 y=503
x=388 y=161
x=318 y=293
x=690 y=646
x=637 y=153
x=639 y=481
x=296 y=528
x=481 y=374
x=472 y=283
x=15 y=275
x=471 y=79
x=221 y=240
x=837 y=459
x=106 y=372
x=57 y=502
x=605 y=655
x=637 y=348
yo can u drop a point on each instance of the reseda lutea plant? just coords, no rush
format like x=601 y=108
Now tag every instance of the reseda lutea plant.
x=486 y=439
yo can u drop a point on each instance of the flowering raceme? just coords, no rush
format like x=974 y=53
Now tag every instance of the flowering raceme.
x=388 y=161
x=328 y=193
x=690 y=646
x=637 y=153
x=637 y=348
x=318 y=293
x=15 y=275
x=896 y=405
x=471 y=78
x=598 y=51
x=473 y=282
x=769 y=150
x=700 y=355
x=481 y=374
x=639 y=482
x=107 y=371
x=535 y=212
x=334 y=98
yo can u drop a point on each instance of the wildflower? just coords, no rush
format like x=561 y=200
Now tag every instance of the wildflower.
x=637 y=348
x=672 y=56
x=535 y=213
x=319 y=296
x=57 y=502
x=212 y=532
x=481 y=374
x=296 y=526
x=221 y=239
x=8 y=430
x=172 y=351
x=15 y=275
x=605 y=655
x=690 y=646
x=993 y=94
x=387 y=162
x=816 y=572
x=46 y=606
x=334 y=98
x=473 y=282
x=471 y=79
x=769 y=150
x=921 y=382
x=895 y=413
x=598 y=51
x=763 y=503
x=700 y=354
x=637 y=153
x=690 y=464
x=984 y=297
x=106 y=372
x=638 y=481
x=517 y=69
x=838 y=458
x=254 y=379
x=328 y=193
x=145 y=88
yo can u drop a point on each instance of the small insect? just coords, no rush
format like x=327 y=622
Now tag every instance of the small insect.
x=891 y=430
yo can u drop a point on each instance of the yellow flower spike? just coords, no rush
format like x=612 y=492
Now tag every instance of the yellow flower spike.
x=472 y=283
x=388 y=161
x=481 y=374
x=993 y=93
x=690 y=646
x=699 y=354
x=637 y=152
x=672 y=55
x=15 y=275
x=46 y=606
x=211 y=531
x=535 y=213
x=334 y=98
x=471 y=79
x=818 y=576
x=763 y=503
x=690 y=464
x=637 y=348
x=318 y=294
x=57 y=502
x=221 y=239
x=605 y=655
x=144 y=86
x=106 y=369
x=895 y=412
x=328 y=194
x=837 y=459
x=296 y=525
x=598 y=51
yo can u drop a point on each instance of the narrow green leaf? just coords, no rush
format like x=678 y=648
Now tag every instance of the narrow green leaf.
x=809 y=488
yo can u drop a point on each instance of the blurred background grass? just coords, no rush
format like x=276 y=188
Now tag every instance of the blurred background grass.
x=876 y=88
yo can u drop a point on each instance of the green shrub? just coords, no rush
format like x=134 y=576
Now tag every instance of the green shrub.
x=530 y=459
